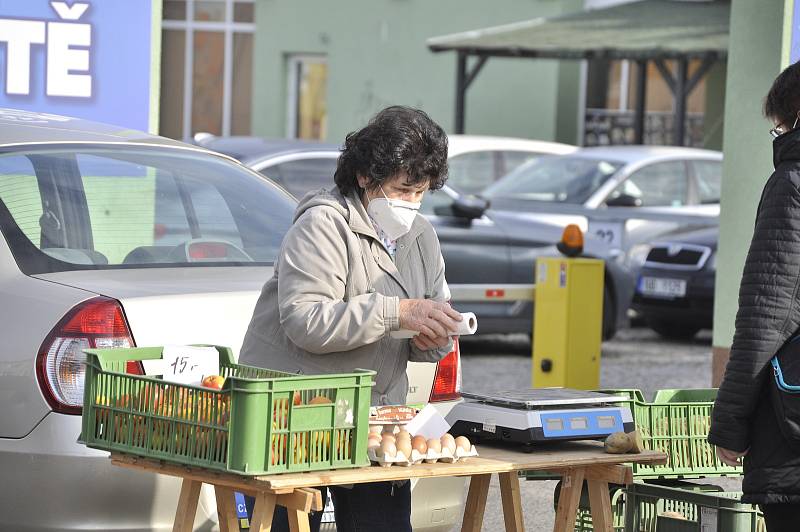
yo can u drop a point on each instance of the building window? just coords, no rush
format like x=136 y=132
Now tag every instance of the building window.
x=307 y=93
x=206 y=67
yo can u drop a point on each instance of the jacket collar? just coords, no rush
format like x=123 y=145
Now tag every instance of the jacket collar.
x=786 y=147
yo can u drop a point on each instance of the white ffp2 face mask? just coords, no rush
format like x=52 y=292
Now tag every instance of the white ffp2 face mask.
x=393 y=216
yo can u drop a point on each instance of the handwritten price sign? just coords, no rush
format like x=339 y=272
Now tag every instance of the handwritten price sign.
x=188 y=364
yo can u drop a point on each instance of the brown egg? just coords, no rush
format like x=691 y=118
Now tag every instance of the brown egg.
x=419 y=444
x=375 y=429
x=405 y=448
x=448 y=442
x=463 y=443
x=403 y=435
x=388 y=449
x=373 y=440
x=388 y=436
x=434 y=445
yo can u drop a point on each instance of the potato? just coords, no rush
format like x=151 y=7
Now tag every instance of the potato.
x=637 y=445
x=617 y=443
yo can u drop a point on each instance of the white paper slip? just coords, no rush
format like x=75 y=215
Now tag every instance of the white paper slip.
x=429 y=423
x=189 y=364
x=468 y=325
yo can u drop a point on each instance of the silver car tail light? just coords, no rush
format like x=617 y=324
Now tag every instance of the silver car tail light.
x=60 y=365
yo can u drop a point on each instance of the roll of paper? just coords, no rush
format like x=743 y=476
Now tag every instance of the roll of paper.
x=468 y=325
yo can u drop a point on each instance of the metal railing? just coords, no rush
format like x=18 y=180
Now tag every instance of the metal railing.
x=606 y=127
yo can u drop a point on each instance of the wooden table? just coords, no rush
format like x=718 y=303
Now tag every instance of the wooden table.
x=574 y=461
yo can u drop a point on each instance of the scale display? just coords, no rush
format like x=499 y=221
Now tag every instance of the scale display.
x=528 y=416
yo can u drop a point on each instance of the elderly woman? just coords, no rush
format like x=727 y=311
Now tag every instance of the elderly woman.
x=357 y=264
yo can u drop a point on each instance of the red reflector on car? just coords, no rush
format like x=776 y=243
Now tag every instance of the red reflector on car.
x=98 y=316
x=134 y=367
x=208 y=250
x=447 y=382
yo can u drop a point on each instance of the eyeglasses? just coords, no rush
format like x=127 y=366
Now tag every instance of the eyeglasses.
x=778 y=130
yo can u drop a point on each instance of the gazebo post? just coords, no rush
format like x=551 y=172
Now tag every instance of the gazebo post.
x=461 y=90
x=641 y=102
x=680 y=93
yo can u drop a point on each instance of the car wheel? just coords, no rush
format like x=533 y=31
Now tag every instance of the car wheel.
x=674 y=330
x=609 y=314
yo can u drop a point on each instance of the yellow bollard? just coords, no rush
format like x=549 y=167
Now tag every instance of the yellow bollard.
x=567 y=323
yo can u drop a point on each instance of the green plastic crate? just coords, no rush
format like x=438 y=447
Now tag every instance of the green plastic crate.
x=677 y=423
x=250 y=427
x=651 y=508
x=583 y=520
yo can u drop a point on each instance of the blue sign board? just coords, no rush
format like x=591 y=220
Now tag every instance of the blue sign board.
x=91 y=59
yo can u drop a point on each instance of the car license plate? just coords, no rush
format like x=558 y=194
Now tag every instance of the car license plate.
x=662 y=287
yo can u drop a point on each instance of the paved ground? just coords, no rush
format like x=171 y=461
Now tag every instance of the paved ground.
x=635 y=358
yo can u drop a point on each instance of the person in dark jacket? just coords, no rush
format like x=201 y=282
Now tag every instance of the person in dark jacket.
x=745 y=425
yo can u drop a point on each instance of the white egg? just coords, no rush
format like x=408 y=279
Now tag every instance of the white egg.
x=448 y=442
x=463 y=443
x=388 y=448
x=434 y=445
x=405 y=448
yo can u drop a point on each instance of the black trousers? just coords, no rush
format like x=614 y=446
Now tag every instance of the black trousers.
x=781 y=517
x=372 y=507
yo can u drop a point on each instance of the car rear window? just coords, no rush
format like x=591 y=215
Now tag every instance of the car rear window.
x=557 y=179
x=65 y=209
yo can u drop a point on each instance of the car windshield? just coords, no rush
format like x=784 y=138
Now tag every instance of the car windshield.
x=562 y=179
x=121 y=207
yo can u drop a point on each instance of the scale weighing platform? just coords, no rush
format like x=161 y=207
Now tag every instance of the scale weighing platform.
x=539 y=415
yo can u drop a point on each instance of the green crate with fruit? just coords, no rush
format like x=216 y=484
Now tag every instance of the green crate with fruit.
x=246 y=420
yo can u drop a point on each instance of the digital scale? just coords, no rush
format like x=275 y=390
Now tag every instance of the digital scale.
x=539 y=415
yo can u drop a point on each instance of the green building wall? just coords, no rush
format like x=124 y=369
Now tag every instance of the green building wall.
x=377 y=56
x=758 y=51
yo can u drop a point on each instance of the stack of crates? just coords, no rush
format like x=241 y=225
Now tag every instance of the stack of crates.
x=676 y=422
x=261 y=421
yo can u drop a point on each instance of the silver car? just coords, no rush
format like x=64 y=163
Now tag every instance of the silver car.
x=117 y=238
x=615 y=192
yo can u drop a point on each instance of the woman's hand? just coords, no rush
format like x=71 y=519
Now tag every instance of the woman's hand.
x=426 y=343
x=430 y=318
x=731 y=458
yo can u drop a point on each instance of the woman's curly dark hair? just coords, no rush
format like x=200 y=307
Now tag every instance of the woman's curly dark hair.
x=396 y=139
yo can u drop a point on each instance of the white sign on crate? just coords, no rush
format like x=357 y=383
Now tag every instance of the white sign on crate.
x=184 y=364
x=708 y=519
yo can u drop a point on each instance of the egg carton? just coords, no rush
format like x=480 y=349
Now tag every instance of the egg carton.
x=400 y=459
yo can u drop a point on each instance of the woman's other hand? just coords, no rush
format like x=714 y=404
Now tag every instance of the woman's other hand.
x=426 y=343
x=731 y=458
x=430 y=318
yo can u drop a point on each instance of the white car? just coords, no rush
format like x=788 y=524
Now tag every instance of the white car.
x=475 y=161
x=117 y=238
